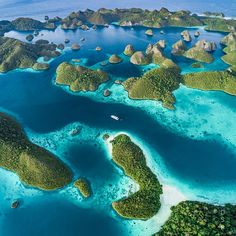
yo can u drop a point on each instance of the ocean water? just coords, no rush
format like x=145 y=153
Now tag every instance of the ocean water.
x=39 y=8
x=191 y=149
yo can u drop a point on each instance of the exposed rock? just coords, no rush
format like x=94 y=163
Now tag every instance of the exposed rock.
x=84 y=27
x=129 y=50
x=15 y=204
x=139 y=58
x=118 y=81
x=186 y=36
x=126 y=23
x=115 y=59
x=50 y=26
x=206 y=45
x=106 y=93
x=41 y=66
x=161 y=43
x=162 y=32
x=67 y=40
x=179 y=48
x=197 y=34
x=29 y=37
x=36 y=33
x=46 y=18
x=75 y=47
x=149 y=32
x=61 y=46
x=94 y=27
x=82 y=39
x=231 y=37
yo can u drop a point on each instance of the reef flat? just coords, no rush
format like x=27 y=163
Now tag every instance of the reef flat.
x=146 y=202
x=34 y=165
x=196 y=218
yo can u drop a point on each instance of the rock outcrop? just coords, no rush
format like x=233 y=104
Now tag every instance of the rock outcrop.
x=129 y=50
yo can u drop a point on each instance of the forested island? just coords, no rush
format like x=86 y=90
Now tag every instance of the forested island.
x=196 y=218
x=145 y=203
x=34 y=165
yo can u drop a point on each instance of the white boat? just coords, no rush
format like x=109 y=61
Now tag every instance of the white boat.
x=115 y=117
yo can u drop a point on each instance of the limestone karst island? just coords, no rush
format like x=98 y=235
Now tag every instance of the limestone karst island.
x=118 y=118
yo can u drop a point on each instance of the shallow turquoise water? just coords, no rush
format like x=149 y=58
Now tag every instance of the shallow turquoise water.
x=192 y=148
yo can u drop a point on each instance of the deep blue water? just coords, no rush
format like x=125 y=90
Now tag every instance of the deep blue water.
x=43 y=107
x=16 y=8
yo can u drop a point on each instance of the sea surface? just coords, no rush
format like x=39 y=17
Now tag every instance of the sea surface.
x=38 y=8
x=191 y=149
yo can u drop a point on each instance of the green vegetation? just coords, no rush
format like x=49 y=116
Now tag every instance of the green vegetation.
x=115 y=59
x=84 y=187
x=80 y=78
x=197 y=65
x=199 y=54
x=157 y=84
x=17 y=54
x=148 y=18
x=34 y=165
x=219 y=24
x=230 y=42
x=200 y=219
x=146 y=202
x=212 y=80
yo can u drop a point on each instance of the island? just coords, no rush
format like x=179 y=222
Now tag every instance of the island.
x=229 y=42
x=212 y=80
x=199 y=54
x=115 y=59
x=144 y=203
x=84 y=187
x=34 y=165
x=79 y=78
x=157 y=84
x=148 y=18
x=17 y=54
x=25 y=24
x=197 y=218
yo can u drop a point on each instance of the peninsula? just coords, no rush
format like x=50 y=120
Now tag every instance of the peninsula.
x=146 y=202
x=34 y=165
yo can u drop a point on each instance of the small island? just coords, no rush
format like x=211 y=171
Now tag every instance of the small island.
x=197 y=218
x=34 y=165
x=84 y=187
x=146 y=202
x=79 y=78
